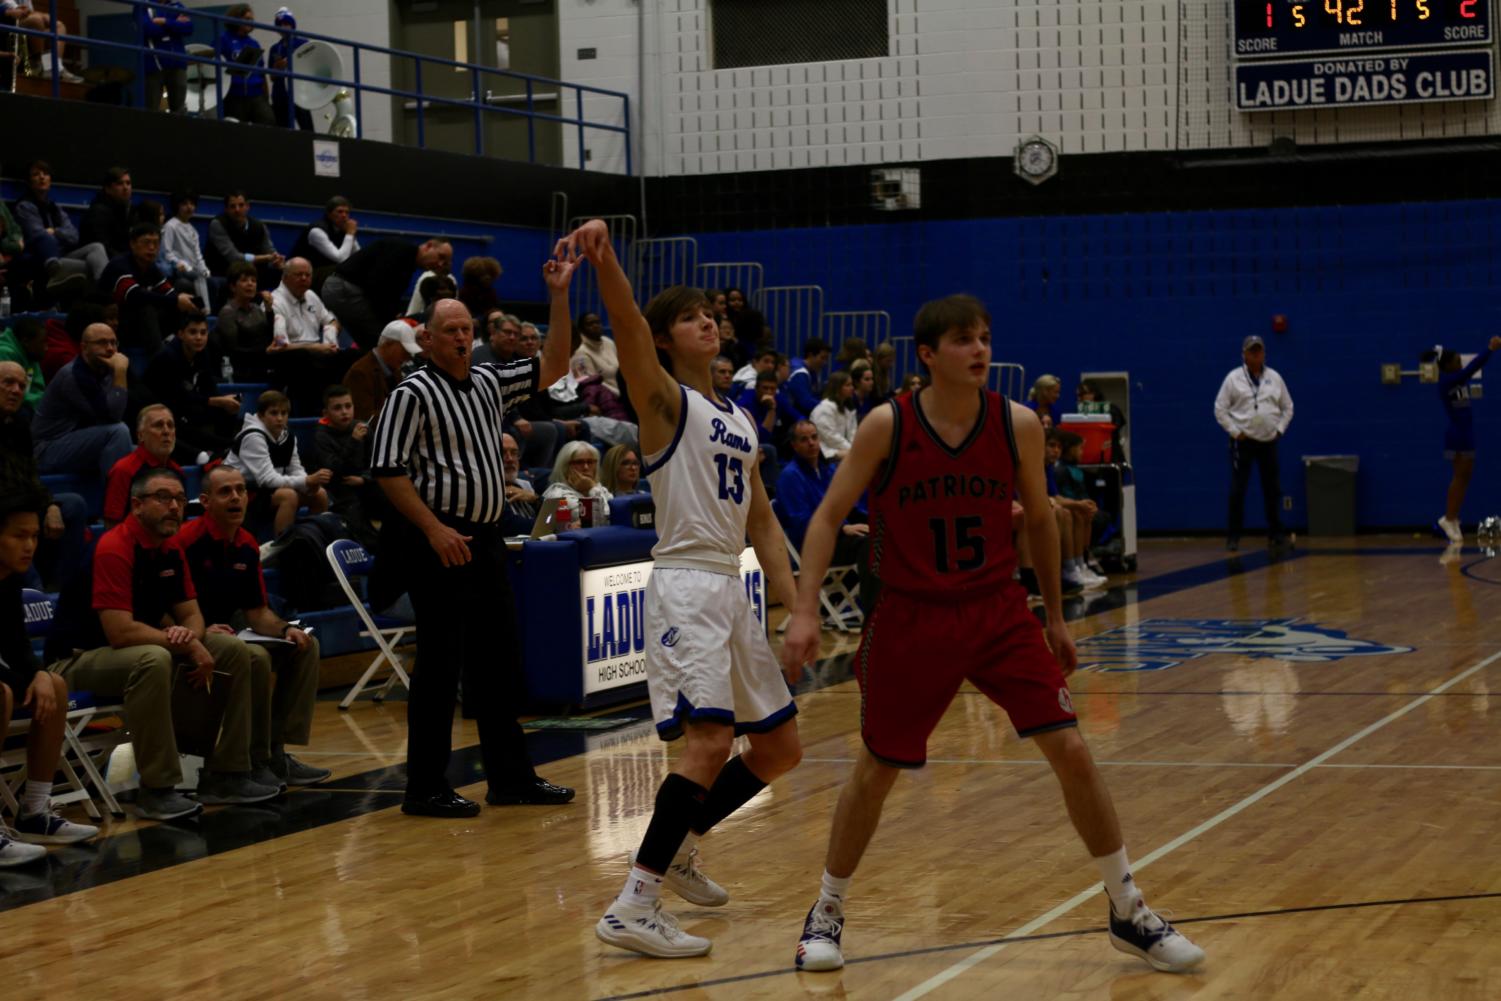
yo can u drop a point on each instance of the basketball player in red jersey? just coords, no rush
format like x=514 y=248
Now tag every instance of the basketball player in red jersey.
x=941 y=465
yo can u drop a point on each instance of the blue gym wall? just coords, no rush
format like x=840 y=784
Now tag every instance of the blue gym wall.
x=1168 y=297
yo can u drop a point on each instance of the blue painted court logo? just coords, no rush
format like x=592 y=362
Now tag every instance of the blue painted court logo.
x=1157 y=644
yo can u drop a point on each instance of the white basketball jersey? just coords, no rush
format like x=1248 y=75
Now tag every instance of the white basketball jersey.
x=701 y=483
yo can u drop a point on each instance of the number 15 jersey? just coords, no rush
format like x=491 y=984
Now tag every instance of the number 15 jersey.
x=941 y=516
x=701 y=484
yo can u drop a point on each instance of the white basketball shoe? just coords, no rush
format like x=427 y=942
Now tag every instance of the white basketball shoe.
x=650 y=931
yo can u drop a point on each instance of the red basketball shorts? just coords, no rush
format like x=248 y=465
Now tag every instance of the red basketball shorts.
x=915 y=654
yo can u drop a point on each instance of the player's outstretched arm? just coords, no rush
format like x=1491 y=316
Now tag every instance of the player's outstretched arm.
x=654 y=392
x=871 y=447
x=1042 y=530
x=557 y=273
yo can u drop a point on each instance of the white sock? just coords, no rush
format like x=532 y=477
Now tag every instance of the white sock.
x=642 y=888
x=37 y=798
x=1115 y=873
x=834 y=888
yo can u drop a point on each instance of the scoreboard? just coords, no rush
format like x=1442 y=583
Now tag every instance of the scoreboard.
x=1305 y=27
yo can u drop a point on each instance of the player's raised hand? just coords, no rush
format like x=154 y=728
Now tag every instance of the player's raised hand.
x=591 y=240
x=557 y=272
x=799 y=645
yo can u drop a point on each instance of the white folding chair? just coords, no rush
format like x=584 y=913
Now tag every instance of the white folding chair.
x=349 y=559
x=81 y=750
x=836 y=595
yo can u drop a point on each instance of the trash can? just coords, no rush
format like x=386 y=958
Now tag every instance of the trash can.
x=1330 y=481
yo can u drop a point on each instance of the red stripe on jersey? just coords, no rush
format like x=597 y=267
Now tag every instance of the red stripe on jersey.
x=942 y=515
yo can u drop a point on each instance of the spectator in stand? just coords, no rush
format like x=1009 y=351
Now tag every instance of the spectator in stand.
x=729 y=346
x=235 y=235
x=805 y=382
x=717 y=303
x=52 y=242
x=304 y=349
x=23 y=681
x=371 y=379
x=25 y=343
x=529 y=341
x=1044 y=399
x=1065 y=513
x=723 y=373
x=246 y=324
x=912 y=383
x=774 y=417
x=246 y=100
x=119 y=632
x=521 y=496
x=883 y=363
x=863 y=377
x=800 y=490
x=265 y=450
x=502 y=339
x=1089 y=392
x=596 y=354
x=620 y=472
x=342 y=446
x=107 y=221
x=477 y=285
x=180 y=248
x=365 y=291
x=283 y=107
x=163 y=26
x=78 y=424
x=64 y=336
x=430 y=290
x=157 y=432
x=184 y=376
x=330 y=241
x=225 y=564
x=66 y=516
x=764 y=360
x=835 y=417
x=149 y=306
x=750 y=325
x=852 y=350
x=1073 y=496
x=25 y=15
x=575 y=477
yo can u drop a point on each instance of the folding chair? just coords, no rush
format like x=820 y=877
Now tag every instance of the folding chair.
x=349 y=559
x=81 y=750
x=836 y=595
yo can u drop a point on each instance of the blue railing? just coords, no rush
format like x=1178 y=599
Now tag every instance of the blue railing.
x=477 y=101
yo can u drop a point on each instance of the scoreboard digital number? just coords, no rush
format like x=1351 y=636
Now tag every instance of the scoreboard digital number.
x=1298 y=27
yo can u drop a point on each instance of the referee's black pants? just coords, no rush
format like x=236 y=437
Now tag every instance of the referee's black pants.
x=466 y=628
x=1243 y=454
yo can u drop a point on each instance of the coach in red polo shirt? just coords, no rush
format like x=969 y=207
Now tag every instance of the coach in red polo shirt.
x=112 y=623
x=224 y=561
x=157 y=433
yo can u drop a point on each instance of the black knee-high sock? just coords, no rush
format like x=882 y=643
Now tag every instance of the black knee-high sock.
x=733 y=788
x=679 y=801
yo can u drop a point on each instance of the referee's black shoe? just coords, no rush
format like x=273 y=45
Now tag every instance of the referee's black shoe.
x=538 y=792
x=444 y=803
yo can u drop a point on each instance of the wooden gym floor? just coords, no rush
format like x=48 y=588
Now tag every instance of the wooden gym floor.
x=1314 y=798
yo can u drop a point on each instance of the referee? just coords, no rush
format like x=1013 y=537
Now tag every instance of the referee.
x=437 y=456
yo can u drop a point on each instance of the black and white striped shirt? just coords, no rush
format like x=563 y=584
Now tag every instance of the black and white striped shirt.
x=445 y=435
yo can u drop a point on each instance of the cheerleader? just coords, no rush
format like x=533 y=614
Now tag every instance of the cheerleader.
x=1459 y=437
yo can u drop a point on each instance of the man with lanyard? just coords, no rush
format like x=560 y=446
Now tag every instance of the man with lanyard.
x=1255 y=408
x=437 y=456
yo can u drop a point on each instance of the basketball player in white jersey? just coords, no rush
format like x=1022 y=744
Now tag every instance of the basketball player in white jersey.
x=709 y=668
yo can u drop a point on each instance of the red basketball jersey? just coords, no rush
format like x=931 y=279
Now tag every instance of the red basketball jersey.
x=940 y=516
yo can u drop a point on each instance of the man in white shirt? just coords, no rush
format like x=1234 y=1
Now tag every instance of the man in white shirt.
x=1255 y=408
x=304 y=351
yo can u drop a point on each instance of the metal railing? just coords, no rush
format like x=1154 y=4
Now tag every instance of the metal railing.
x=793 y=313
x=748 y=276
x=479 y=100
x=1009 y=379
x=661 y=263
x=583 y=291
x=870 y=325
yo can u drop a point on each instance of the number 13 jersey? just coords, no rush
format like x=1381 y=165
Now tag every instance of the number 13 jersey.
x=701 y=483
x=940 y=516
